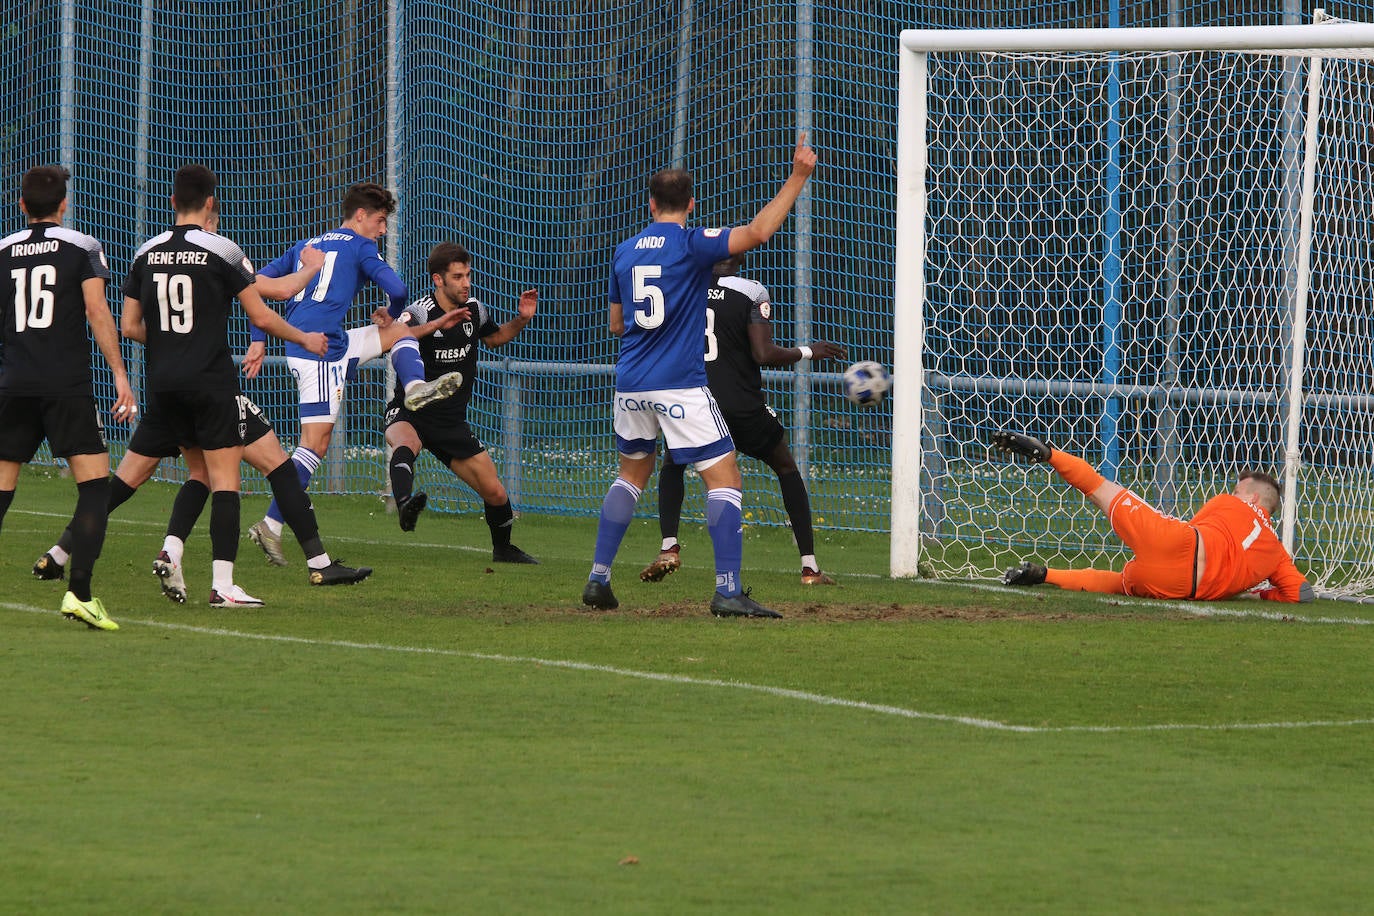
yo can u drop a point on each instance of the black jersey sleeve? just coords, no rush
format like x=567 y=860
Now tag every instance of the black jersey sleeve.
x=232 y=264
x=94 y=264
x=133 y=280
x=486 y=323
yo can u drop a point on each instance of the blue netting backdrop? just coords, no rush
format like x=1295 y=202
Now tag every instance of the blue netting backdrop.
x=528 y=134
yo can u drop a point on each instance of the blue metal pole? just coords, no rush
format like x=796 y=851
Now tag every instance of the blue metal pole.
x=1111 y=265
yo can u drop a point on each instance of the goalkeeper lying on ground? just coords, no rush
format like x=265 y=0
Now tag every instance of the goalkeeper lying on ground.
x=1224 y=551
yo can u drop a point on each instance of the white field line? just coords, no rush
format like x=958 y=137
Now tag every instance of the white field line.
x=785 y=693
x=1196 y=608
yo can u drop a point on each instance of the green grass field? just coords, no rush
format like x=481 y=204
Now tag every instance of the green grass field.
x=452 y=737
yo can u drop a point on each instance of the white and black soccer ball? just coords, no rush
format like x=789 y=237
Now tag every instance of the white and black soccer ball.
x=866 y=383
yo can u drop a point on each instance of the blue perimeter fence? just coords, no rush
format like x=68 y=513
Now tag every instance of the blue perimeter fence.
x=527 y=131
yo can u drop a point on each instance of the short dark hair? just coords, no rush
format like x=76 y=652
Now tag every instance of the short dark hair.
x=671 y=189
x=727 y=267
x=445 y=255
x=1267 y=480
x=368 y=195
x=193 y=185
x=43 y=189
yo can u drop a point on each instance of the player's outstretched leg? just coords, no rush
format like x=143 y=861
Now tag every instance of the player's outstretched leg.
x=1025 y=574
x=1076 y=472
x=91 y=613
x=1021 y=445
x=425 y=393
x=299 y=515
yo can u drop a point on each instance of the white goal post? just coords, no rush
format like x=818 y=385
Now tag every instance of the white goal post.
x=1153 y=247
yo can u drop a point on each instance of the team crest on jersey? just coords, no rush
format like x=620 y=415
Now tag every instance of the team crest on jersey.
x=766 y=310
x=467 y=328
x=712 y=233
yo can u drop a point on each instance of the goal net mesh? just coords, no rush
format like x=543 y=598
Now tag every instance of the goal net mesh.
x=1113 y=264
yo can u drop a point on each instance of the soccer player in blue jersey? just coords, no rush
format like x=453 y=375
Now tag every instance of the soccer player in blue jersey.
x=351 y=259
x=657 y=295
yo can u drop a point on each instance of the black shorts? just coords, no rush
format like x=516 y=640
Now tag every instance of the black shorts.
x=158 y=441
x=71 y=425
x=756 y=432
x=204 y=419
x=444 y=435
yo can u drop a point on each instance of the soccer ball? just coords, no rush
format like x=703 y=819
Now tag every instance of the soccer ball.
x=866 y=383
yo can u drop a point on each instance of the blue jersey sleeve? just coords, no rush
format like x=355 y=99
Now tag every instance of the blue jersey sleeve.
x=708 y=245
x=380 y=272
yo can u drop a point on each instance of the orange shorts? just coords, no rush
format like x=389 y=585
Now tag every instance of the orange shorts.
x=1165 y=548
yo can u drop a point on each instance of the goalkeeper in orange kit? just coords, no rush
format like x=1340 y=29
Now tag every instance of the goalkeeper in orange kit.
x=1226 y=550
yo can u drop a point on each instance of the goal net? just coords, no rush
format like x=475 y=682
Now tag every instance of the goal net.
x=1153 y=248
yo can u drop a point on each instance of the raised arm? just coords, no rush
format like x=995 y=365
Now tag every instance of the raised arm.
x=770 y=219
x=529 y=301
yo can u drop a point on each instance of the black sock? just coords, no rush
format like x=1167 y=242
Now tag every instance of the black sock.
x=295 y=507
x=186 y=509
x=798 y=506
x=120 y=492
x=224 y=525
x=499 y=520
x=402 y=473
x=6 y=497
x=672 y=490
x=88 y=533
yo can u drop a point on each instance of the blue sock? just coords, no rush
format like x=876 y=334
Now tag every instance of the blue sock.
x=306 y=463
x=725 y=524
x=617 y=511
x=406 y=360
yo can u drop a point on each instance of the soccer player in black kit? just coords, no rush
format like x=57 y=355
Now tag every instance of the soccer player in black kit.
x=177 y=300
x=52 y=285
x=449 y=324
x=261 y=449
x=739 y=340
